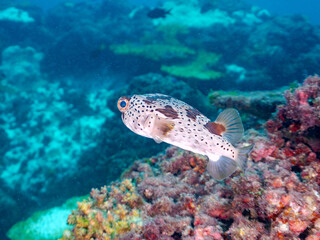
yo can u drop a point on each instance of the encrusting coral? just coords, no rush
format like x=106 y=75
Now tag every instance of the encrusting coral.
x=107 y=213
x=171 y=196
x=295 y=132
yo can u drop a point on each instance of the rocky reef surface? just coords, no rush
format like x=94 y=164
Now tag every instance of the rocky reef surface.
x=171 y=196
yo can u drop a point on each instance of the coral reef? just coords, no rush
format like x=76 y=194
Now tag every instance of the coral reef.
x=53 y=133
x=21 y=66
x=178 y=198
x=82 y=38
x=295 y=132
x=16 y=15
x=45 y=131
x=190 y=14
x=108 y=213
x=199 y=68
x=38 y=133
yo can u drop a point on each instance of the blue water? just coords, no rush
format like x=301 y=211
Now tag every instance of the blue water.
x=65 y=63
x=309 y=9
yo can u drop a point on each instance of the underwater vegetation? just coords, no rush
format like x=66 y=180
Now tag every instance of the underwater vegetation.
x=171 y=196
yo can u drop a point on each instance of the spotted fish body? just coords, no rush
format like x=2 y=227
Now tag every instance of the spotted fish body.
x=166 y=119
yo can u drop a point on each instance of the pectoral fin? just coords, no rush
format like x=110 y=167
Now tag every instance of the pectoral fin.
x=161 y=128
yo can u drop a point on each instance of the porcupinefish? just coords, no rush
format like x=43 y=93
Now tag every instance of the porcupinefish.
x=166 y=119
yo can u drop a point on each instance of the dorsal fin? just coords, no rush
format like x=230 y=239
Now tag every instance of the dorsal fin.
x=231 y=120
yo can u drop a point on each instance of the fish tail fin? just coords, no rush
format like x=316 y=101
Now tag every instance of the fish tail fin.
x=221 y=167
x=243 y=153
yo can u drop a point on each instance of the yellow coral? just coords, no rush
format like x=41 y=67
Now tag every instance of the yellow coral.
x=116 y=215
x=84 y=206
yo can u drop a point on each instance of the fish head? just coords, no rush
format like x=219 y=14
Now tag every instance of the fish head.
x=133 y=112
x=147 y=114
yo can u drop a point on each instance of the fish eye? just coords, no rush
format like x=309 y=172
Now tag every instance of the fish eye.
x=123 y=104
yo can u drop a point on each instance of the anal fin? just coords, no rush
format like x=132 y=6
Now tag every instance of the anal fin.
x=221 y=167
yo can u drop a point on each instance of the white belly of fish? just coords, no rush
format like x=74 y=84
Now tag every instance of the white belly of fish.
x=210 y=148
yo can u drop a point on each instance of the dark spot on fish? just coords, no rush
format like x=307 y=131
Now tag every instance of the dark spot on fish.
x=215 y=128
x=193 y=113
x=168 y=111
